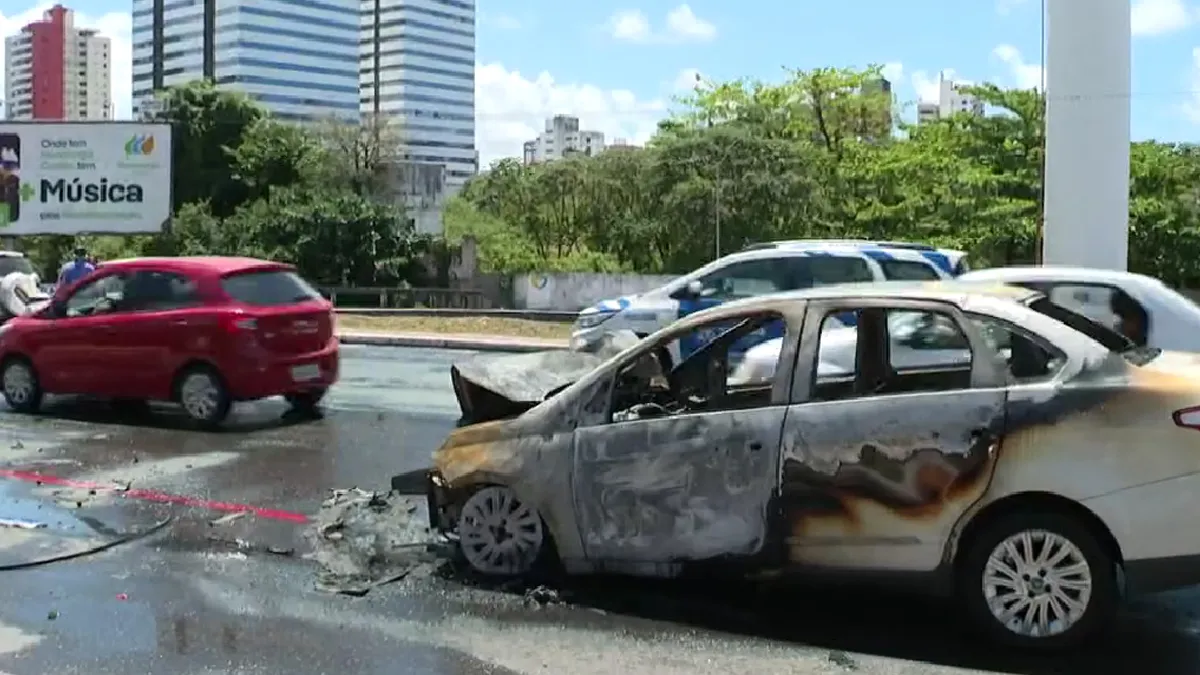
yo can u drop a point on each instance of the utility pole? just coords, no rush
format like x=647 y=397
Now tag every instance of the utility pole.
x=717 y=214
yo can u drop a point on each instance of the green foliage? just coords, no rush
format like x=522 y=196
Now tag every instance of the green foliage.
x=247 y=184
x=815 y=156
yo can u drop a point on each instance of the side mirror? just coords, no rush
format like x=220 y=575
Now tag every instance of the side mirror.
x=695 y=288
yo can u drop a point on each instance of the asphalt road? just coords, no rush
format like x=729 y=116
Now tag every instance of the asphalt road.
x=203 y=595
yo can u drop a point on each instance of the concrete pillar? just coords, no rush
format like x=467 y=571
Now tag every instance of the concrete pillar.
x=1087 y=133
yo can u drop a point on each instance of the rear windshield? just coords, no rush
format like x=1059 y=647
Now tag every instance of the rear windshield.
x=271 y=287
x=12 y=263
x=907 y=270
x=1111 y=339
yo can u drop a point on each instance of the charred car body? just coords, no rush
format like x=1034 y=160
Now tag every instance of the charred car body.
x=1038 y=482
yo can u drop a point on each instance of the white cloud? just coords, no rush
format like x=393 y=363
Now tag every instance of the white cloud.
x=681 y=25
x=893 y=72
x=1025 y=75
x=511 y=109
x=117 y=26
x=630 y=25
x=1158 y=17
x=927 y=86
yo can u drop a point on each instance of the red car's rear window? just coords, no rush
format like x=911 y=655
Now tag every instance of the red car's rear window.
x=269 y=287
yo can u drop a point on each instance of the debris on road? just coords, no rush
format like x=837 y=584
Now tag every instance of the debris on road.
x=227 y=519
x=366 y=539
x=21 y=524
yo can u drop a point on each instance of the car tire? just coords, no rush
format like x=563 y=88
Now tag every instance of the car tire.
x=500 y=536
x=305 y=401
x=204 y=397
x=1002 y=569
x=22 y=388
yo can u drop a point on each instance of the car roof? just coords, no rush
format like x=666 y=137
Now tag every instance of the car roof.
x=11 y=254
x=952 y=291
x=855 y=243
x=1056 y=273
x=218 y=265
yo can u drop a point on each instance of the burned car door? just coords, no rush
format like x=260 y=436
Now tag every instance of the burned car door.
x=684 y=464
x=877 y=467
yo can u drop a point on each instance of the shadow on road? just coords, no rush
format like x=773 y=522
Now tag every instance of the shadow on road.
x=245 y=418
x=846 y=621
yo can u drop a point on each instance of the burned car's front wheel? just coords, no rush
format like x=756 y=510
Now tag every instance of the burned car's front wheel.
x=500 y=535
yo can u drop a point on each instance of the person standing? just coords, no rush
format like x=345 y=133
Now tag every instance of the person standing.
x=74 y=270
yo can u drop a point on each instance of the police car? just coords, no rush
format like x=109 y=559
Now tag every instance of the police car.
x=763 y=268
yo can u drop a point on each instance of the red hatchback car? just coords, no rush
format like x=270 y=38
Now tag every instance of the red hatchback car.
x=200 y=331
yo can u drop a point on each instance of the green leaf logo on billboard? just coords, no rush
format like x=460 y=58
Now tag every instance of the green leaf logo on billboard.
x=139 y=146
x=27 y=192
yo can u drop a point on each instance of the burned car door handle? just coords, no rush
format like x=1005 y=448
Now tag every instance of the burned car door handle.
x=756 y=446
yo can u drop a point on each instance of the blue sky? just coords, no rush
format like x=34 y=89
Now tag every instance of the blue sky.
x=617 y=63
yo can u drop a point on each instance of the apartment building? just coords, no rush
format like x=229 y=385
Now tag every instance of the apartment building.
x=417 y=69
x=952 y=98
x=299 y=58
x=56 y=71
x=561 y=137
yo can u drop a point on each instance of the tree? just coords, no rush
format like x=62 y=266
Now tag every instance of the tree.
x=362 y=153
x=209 y=124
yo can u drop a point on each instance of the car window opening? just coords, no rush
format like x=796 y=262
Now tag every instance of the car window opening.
x=649 y=388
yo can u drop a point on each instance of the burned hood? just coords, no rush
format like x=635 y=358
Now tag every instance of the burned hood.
x=491 y=387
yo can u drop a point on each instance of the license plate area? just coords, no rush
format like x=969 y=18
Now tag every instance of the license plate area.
x=306 y=373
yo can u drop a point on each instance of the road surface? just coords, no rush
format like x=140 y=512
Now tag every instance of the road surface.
x=238 y=596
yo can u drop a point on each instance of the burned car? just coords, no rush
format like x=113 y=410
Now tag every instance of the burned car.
x=1038 y=483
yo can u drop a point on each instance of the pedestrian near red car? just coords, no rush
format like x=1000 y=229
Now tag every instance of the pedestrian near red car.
x=203 y=332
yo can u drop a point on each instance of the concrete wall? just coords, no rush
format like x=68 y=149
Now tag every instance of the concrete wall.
x=574 y=291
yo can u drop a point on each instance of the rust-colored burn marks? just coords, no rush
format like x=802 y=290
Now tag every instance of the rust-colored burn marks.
x=885 y=469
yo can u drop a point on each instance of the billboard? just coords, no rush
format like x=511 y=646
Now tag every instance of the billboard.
x=81 y=177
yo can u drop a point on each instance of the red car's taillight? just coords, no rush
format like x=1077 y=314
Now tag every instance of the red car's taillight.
x=1188 y=418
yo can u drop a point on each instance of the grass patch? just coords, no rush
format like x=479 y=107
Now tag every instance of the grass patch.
x=461 y=325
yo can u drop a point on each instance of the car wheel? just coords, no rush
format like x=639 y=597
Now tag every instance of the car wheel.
x=203 y=396
x=305 y=401
x=22 y=390
x=499 y=535
x=1039 y=581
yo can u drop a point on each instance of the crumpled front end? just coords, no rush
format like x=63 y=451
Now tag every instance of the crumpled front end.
x=490 y=387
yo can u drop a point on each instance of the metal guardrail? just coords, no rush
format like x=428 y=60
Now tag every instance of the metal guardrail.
x=392 y=297
x=550 y=316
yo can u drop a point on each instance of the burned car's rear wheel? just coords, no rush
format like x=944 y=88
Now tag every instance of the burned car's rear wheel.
x=500 y=535
x=1040 y=581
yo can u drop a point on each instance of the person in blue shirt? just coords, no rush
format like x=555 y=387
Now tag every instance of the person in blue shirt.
x=76 y=269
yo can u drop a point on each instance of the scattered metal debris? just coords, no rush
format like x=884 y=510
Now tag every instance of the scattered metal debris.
x=228 y=518
x=366 y=539
x=540 y=596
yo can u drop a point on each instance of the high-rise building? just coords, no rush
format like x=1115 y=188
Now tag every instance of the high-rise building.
x=561 y=138
x=952 y=98
x=56 y=71
x=299 y=58
x=417 y=69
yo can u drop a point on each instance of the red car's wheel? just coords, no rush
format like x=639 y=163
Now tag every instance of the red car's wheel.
x=22 y=390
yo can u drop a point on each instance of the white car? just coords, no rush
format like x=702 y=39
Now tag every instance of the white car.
x=1037 y=487
x=759 y=270
x=1173 y=321
x=918 y=340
